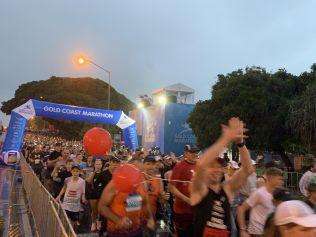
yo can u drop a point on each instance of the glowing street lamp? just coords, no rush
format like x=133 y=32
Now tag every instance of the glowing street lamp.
x=81 y=60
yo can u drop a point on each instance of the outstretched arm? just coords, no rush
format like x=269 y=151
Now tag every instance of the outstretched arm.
x=199 y=187
x=105 y=201
x=240 y=177
x=199 y=182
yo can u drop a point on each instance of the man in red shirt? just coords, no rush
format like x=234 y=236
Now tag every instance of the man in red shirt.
x=183 y=171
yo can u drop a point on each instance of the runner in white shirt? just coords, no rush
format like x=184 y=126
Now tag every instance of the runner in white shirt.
x=306 y=178
x=74 y=190
x=260 y=203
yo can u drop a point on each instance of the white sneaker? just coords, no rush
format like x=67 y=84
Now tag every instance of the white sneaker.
x=99 y=223
x=93 y=227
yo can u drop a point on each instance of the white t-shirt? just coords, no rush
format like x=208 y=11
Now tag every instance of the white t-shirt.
x=249 y=186
x=304 y=182
x=74 y=191
x=261 y=205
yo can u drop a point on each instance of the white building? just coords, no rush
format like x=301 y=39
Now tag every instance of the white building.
x=177 y=93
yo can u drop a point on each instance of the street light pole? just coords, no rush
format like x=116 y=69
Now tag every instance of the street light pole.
x=109 y=84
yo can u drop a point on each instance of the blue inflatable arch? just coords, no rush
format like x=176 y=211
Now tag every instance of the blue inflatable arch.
x=21 y=115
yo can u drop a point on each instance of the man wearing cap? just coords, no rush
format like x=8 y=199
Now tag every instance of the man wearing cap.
x=183 y=172
x=306 y=178
x=294 y=219
x=153 y=186
x=232 y=167
x=210 y=197
x=74 y=190
x=53 y=158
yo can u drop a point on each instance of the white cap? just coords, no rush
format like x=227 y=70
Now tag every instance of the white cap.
x=157 y=158
x=234 y=164
x=295 y=212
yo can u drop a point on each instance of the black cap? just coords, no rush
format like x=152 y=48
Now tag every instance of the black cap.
x=191 y=148
x=114 y=159
x=283 y=194
x=149 y=158
x=75 y=166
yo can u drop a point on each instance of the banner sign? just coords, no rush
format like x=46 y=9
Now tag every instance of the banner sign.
x=23 y=113
x=130 y=137
x=15 y=133
x=75 y=113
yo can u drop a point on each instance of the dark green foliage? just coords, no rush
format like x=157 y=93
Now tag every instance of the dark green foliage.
x=261 y=99
x=86 y=92
x=302 y=116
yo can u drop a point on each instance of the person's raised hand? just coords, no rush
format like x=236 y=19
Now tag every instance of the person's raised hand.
x=233 y=131
x=242 y=129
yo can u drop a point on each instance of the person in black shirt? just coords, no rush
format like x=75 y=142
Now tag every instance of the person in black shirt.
x=98 y=179
x=54 y=157
x=36 y=161
x=59 y=174
x=168 y=164
x=210 y=197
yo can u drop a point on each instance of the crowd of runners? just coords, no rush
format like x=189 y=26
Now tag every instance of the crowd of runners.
x=194 y=195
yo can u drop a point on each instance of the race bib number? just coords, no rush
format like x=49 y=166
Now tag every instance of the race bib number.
x=210 y=232
x=133 y=203
x=71 y=200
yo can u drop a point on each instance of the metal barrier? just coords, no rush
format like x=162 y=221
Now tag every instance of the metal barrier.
x=292 y=180
x=10 y=207
x=49 y=217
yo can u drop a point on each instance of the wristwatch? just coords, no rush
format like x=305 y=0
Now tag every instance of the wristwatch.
x=240 y=144
x=244 y=227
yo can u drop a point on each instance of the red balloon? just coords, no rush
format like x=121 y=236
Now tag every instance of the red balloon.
x=97 y=141
x=126 y=178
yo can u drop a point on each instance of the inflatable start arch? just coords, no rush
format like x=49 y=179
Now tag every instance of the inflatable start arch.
x=21 y=115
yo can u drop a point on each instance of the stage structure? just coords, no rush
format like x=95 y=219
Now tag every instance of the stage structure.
x=165 y=124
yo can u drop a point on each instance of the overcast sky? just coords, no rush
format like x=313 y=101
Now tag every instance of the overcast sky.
x=148 y=44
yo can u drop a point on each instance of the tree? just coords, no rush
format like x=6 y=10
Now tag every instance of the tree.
x=86 y=92
x=302 y=117
x=259 y=98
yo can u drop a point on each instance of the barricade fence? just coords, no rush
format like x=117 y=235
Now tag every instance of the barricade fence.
x=292 y=180
x=10 y=206
x=49 y=218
